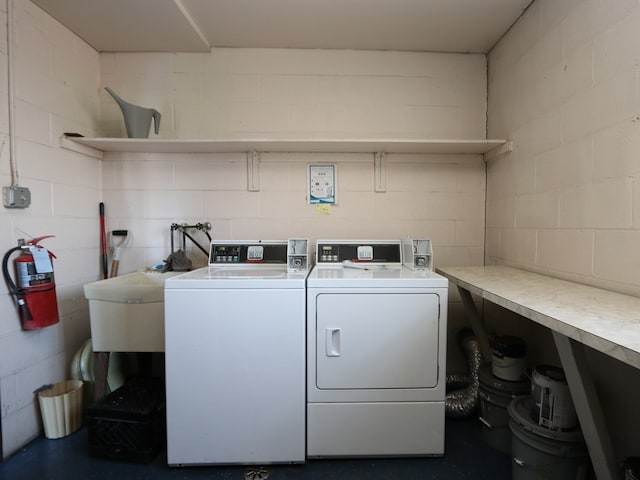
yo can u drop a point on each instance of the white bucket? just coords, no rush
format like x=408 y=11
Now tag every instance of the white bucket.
x=61 y=408
x=508 y=358
x=552 y=406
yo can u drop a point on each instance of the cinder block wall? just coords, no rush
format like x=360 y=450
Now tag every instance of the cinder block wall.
x=56 y=90
x=563 y=86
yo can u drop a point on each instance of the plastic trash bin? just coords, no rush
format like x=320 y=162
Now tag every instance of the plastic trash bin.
x=61 y=408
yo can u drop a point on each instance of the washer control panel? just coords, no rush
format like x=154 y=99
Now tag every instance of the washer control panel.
x=235 y=253
x=225 y=254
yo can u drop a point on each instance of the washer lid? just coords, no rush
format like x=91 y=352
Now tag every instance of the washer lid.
x=239 y=276
x=248 y=272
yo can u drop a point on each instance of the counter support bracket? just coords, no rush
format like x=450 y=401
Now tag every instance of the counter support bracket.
x=587 y=404
x=476 y=323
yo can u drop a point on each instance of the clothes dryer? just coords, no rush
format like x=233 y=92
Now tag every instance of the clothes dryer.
x=376 y=352
x=235 y=358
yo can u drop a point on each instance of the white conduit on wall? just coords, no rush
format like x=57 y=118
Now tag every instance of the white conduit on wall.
x=13 y=163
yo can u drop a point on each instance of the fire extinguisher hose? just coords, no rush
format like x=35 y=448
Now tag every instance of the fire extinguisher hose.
x=13 y=289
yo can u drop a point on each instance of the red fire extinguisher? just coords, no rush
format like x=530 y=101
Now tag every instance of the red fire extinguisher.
x=35 y=292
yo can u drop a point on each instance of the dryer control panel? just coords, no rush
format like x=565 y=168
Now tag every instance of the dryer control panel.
x=369 y=251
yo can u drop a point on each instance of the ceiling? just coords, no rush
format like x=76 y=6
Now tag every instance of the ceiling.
x=198 y=25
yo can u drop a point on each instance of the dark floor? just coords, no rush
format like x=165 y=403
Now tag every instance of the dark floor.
x=467 y=456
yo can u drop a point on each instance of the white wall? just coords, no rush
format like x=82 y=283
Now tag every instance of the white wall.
x=56 y=90
x=300 y=93
x=235 y=93
x=563 y=86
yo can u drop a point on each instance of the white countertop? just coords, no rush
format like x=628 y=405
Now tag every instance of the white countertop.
x=606 y=321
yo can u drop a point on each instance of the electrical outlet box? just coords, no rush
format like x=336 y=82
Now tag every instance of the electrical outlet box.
x=16 y=197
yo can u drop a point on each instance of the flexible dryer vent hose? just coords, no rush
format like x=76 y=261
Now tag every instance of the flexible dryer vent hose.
x=462 y=402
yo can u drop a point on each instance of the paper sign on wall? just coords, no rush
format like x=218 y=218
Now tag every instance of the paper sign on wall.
x=323 y=209
x=322 y=185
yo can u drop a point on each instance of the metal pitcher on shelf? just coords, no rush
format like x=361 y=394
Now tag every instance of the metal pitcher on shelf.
x=137 y=119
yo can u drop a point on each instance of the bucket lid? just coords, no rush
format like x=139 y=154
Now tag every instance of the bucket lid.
x=519 y=411
x=509 y=345
x=549 y=374
x=488 y=379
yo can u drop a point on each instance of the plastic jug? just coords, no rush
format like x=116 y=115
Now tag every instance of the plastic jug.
x=137 y=119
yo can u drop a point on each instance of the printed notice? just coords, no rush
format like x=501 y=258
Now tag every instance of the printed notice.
x=322 y=185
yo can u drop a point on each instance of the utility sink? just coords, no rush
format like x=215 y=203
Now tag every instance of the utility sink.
x=127 y=312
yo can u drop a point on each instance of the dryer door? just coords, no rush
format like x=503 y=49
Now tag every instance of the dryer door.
x=377 y=340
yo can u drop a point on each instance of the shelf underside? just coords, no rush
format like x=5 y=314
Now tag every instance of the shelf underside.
x=292 y=145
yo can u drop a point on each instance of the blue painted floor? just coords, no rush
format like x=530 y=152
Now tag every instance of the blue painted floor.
x=467 y=457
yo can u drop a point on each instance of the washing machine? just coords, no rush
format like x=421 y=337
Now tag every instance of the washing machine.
x=376 y=351
x=235 y=356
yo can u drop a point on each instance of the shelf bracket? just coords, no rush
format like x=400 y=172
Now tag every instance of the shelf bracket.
x=253 y=171
x=78 y=148
x=496 y=152
x=380 y=172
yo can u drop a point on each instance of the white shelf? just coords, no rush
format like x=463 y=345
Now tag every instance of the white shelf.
x=356 y=145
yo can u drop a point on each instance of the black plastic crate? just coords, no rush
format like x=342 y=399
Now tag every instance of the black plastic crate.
x=632 y=468
x=129 y=423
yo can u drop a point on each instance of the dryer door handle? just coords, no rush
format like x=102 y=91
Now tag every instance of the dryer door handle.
x=332 y=342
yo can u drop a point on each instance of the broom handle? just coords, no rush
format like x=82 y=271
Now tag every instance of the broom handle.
x=103 y=244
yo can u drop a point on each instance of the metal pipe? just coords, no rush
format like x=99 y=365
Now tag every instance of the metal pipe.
x=182 y=228
x=195 y=243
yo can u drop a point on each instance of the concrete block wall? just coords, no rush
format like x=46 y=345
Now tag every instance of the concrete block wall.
x=273 y=93
x=563 y=86
x=56 y=90
x=428 y=196
x=235 y=93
